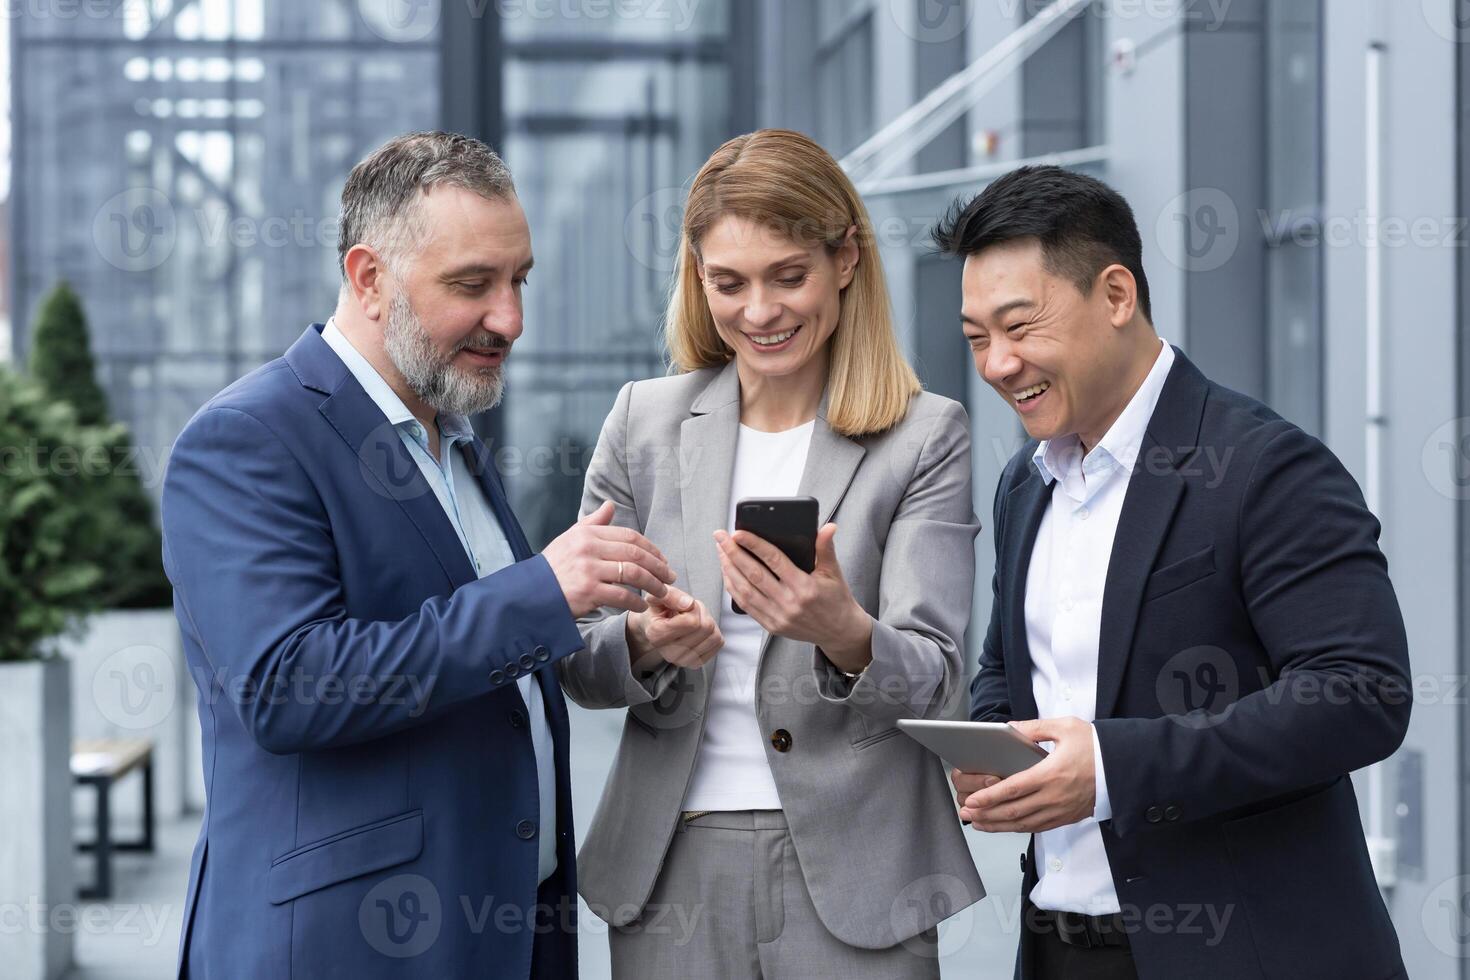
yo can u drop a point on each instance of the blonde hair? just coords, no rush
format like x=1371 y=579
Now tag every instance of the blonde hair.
x=787 y=182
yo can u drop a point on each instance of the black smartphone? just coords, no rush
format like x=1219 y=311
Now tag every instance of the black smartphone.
x=789 y=523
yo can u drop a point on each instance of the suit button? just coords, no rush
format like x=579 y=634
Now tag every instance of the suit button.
x=525 y=830
x=781 y=740
x=528 y=662
x=542 y=654
x=1171 y=812
x=1153 y=814
x=1023 y=863
x=497 y=677
x=512 y=670
x=517 y=718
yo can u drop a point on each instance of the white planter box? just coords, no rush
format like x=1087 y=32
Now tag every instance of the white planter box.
x=37 y=873
x=129 y=680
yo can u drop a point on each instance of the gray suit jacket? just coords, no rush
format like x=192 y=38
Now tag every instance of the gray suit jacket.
x=870 y=811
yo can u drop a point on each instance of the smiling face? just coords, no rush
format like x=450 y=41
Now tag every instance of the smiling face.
x=775 y=302
x=1066 y=362
x=450 y=324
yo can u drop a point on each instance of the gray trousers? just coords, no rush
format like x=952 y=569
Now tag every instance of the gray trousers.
x=731 y=904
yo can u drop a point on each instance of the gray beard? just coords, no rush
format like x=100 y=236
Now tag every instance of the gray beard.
x=433 y=376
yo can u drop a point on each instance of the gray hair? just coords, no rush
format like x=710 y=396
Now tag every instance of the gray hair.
x=381 y=199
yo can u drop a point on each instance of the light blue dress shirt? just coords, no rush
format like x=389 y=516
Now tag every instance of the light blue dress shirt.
x=479 y=532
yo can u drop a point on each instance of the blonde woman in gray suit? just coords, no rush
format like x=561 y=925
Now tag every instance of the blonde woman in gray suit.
x=764 y=818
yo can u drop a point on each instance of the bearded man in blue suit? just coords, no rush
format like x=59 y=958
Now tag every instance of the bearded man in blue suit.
x=384 y=738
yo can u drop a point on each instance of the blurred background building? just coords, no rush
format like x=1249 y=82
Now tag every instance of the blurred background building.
x=1298 y=169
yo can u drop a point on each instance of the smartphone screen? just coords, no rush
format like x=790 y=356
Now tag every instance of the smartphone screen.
x=789 y=523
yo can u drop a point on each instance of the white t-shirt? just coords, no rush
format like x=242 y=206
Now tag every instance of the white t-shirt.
x=731 y=772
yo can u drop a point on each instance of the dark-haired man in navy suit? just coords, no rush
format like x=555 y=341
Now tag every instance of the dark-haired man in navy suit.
x=1190 y=605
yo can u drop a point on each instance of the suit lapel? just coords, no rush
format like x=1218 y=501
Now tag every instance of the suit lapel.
x=1025 y=506
x=384 y=462
x=706 y=465
x=1148 y=510
x=477 y=458
x=1154 y=492
x=831 y=462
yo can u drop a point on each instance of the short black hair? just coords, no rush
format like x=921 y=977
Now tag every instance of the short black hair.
x=1083 y=225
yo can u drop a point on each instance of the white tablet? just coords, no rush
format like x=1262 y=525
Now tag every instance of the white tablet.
x=975 y=746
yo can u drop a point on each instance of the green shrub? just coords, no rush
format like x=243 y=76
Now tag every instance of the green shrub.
x=46 y=576
x=121 y=526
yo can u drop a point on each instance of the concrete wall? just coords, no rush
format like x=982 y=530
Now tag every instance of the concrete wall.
x=1420 y=386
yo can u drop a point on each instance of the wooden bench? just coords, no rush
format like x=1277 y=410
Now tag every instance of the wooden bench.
x=99 y=763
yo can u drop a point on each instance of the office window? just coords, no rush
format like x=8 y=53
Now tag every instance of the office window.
x=844 y=74
x=1294 y=195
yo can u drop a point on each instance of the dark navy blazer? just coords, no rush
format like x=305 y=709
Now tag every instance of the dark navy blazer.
x=372 y=798
x=1251 y=655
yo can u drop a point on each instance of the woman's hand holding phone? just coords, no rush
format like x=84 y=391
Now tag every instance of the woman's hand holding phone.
x=816 y=608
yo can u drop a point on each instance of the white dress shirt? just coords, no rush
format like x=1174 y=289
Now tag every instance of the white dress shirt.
x=1064 y=593
x=484 y=541
x=731 y=771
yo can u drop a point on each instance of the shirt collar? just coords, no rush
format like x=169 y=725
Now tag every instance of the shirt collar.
x=1124 y=439
x=452 y=428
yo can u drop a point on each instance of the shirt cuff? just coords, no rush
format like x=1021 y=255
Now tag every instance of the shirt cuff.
x=1102 y=807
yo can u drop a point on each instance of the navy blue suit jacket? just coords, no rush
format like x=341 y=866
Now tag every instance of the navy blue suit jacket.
x=1251 y=655
x=372 y=798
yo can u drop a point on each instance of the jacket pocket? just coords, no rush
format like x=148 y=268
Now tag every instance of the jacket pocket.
x=354 y=852
x=875 y=738
x=1184 y=572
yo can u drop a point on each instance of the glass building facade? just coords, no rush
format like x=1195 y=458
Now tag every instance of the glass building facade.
x=180 y=162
